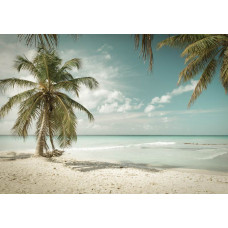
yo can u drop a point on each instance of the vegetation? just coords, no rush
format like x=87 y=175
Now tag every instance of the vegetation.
x=45 y=101
x=203 y=53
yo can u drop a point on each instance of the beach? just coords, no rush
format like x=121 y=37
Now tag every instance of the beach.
x=24 y=174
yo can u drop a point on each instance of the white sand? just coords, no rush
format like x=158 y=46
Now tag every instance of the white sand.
x=41 y=175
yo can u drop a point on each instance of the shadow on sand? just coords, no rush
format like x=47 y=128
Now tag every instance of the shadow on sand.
x=14 y=156
x=87 y=166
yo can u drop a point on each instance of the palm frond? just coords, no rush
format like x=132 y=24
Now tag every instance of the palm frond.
x=15 y=100
x=208 y=43
x=49 y=40
x=75 y=104
x=146 y=47
x=181 y=41
x=204 y=80
x=12 y=82
x=74 y=84
x=29 y=110
x=22 y=63
x=73 y=63
x=195 y=66
x=67 y=122
x=224 y=70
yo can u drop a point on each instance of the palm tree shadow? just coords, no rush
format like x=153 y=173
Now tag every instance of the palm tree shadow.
x=87 y=166
x=14 y=156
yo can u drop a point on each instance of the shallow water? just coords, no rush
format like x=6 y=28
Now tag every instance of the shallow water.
x=197 y=152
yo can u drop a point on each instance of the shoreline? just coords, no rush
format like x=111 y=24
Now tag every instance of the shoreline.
x=65 y=158
x=29 y=175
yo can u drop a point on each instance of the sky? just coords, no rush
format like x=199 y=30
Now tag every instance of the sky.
x=130 y=100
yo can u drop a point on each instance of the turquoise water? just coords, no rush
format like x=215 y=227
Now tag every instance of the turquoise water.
x=197 y=152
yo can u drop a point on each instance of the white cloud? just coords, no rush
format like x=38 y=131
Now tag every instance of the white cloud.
x=149 y=108
x=104 y=47
x=184 y=89
x=164 y=99
x=104 y=51
x=108 y=108
x=161 y=100
x=117 y=102
x=107 y=56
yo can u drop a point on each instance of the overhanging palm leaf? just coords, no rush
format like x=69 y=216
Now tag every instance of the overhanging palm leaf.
x=204 y=80
x=224 y=70
x=146 y=47
x=203 y=53
x=49 y=40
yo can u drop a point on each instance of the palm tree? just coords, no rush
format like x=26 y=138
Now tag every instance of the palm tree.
x=203 y=53
x=45 y=101
x=51 y=40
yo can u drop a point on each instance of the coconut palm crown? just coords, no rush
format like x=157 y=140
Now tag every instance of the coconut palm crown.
x=45 y=101
x=203 y=53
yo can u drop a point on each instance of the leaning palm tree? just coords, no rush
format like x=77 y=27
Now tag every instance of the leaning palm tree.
x=203 y=53
x=52 y=40
x=45 y=101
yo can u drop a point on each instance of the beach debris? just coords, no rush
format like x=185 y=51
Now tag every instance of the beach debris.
x=54 y=153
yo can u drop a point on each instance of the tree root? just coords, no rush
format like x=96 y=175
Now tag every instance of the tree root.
x=54 y=153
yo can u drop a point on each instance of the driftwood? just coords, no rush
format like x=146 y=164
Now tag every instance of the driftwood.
x=54 y=153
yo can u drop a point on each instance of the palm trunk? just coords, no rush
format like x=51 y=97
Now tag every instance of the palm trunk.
x=51 y=140
x=40 y=141
x=50 y=133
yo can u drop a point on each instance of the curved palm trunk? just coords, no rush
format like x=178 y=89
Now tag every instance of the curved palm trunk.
x=51 y=139
x=50 y=133
x=40 y=141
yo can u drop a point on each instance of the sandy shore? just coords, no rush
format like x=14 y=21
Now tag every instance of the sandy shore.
x=25 y=174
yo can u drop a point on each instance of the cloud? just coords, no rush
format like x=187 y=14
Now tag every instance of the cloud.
x=104 y=47
x=108 y=98
x=149 y=108
x=117 y=102
x=184 y=89
x=161 y=100
x=104 y=51
x=108 y=56
x=164 y=99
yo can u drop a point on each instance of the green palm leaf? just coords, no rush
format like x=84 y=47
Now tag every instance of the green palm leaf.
x=204 y=80
x=13 y=82
x=15 y=100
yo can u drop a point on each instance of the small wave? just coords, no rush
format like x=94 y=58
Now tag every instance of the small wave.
x=206 y=144
x=124 y=146
x=214 y=156
x=160 y=143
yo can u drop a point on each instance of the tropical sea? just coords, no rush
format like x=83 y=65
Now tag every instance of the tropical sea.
x=195 y=152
